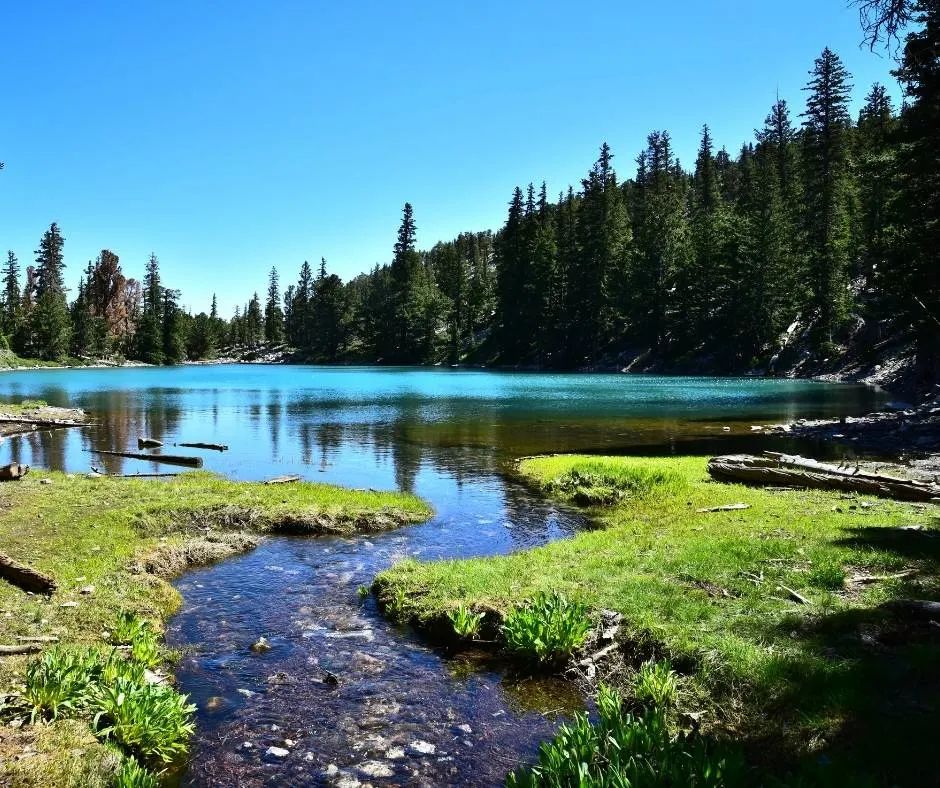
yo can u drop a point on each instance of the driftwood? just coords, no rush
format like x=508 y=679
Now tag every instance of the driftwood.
x=728 y=507
x=27 y=648
x=168 y=459
x=794 y=471
x=283 y=480
x=39 y=639
x=148 y=443
x=209 y=446
x=23 y=577
x=13 y=471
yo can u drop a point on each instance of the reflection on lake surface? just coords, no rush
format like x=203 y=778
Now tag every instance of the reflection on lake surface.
x=402 y=713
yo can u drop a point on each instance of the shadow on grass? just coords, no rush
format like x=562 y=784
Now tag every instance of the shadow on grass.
x=866 y=691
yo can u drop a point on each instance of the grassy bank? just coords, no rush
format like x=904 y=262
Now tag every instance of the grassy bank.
x=775 y=613
x=111 y=544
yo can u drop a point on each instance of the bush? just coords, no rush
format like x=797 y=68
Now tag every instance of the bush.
x=151 y=721
x=59 y=682
x=627 y=750
x=133 y=775
x=548 y=629
x=466 y=623
x=656 y=685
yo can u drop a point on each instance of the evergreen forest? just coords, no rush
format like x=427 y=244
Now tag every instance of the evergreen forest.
x=824 y=226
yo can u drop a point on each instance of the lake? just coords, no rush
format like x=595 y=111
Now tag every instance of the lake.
x=402 y=712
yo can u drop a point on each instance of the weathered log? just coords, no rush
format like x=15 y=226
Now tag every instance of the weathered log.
x=27 y=648
x=39 y=639
x=793 y=471
x=13 y=471
x=209 y=446
x=728 y=507
x=148 y=443
x=23 y=577
x=283 y=480
x=168 y=459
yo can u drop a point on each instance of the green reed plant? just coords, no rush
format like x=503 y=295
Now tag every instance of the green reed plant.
x=145 y=649
x=59 y=682
x=656 y=685
x=133 y=775
x=548 y=629
x=622 y=749
x=465 y=622
x=128 y=628
x=151 y=721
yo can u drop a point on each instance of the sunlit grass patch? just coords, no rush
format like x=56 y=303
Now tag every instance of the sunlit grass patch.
x=757 y=606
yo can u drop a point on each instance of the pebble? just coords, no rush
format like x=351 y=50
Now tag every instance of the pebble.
x=394 y=753
x=277 y=752
x=69 y=604
x=376 y=769
x=422 y=747
x=86 y=590
x=465 y=728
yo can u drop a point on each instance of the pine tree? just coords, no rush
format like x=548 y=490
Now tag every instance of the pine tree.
x=828 y=191
x=510 y=280
x=408 y=294
x=273 y=315
x=254 y=322
x=150 y=332
x=49 y=319
x=915 y=273
x=12 y=308
x=875 y=138
x=174 y=328
x=596 y=282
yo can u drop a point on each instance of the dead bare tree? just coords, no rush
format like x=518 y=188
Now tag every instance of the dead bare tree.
x=883 y=20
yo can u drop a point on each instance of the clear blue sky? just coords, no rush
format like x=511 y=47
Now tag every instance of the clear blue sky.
x=230 y=137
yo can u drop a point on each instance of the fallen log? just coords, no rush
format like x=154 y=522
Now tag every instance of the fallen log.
x=209 y=446
x=168 y=459
x=283 y=480
x=794 y=471
x=13 y=472
x=23 y=577
x=728 y=507
x=29 y=648
x=148 y=443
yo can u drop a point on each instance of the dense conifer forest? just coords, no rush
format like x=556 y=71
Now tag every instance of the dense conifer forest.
x=822 y=223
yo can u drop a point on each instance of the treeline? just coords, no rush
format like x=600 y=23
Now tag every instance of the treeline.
x=819 y=221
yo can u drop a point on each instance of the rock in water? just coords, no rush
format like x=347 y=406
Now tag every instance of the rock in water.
x=277 y=752
x=261 y=645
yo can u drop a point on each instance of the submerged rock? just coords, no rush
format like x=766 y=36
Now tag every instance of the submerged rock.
x=376 y=769
x=277 y=752
x=261 y=645
x=422 y=747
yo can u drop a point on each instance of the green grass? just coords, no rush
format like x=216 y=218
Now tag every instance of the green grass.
x=837 y=677
x=126 y=537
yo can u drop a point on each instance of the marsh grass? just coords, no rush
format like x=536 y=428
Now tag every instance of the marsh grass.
x=656 y=685
x=837 y=676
